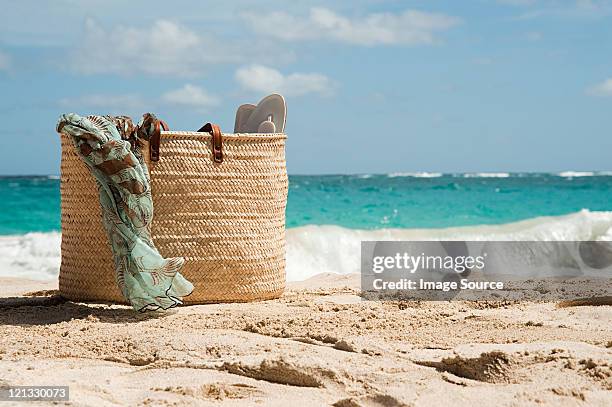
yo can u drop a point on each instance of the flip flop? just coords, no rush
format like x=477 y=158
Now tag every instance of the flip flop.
x=271 y=108
x=242 y=115
x=266 y=127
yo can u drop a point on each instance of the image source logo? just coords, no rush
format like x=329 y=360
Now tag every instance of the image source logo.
x=444 y=270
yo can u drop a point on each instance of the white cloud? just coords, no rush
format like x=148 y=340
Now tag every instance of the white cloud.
x=262 y=79
x=5 y=61
x=408 y=28
x=601 y=89
x=107 y=103
x=190 y=96
x=164 y=48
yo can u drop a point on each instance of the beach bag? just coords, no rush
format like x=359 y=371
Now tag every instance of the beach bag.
x=219 y=202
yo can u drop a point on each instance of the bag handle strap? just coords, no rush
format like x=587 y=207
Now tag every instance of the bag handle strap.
x=155 y=138
x=217 y=140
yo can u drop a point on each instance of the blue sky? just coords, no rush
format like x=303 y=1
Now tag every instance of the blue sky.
x=372 y=86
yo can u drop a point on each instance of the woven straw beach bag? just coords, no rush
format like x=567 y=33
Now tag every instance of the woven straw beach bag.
x=219 y=202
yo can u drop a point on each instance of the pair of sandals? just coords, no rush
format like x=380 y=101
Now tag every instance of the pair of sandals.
x=268 y=116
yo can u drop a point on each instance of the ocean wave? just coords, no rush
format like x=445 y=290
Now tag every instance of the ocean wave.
x=415 y=174
x=317 y=249
x=53 y=177
x=572 y=174
x=34 y=255
x=486 y=175
x=576 y=174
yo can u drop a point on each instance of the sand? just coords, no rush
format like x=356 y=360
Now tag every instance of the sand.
x=318 y=345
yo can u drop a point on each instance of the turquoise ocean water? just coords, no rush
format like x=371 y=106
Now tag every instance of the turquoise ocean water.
x=423 y=200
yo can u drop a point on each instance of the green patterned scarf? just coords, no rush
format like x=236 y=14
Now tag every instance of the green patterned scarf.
x=111 y=148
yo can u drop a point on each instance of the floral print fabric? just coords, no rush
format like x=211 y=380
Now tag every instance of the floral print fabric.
x=111 y=148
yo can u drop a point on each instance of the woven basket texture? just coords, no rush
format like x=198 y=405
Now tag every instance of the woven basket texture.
x=227 y=219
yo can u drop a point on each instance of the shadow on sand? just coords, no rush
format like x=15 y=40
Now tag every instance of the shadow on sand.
x=48 y=307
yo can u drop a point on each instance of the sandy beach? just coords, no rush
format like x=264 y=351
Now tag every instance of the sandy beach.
x=318 y=345
x=430 y=182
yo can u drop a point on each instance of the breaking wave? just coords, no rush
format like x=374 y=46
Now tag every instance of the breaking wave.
x=415 y=174
x=487 y=175
x=315 y=249
x=318 y=249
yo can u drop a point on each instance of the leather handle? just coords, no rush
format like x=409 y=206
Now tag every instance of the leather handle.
x=217 y=140
x=155 y=138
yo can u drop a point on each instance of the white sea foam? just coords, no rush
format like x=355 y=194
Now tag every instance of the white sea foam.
x=34 y=256
x=573 y=174
x=486 y=175
x=318 y=249
x=53 y=177
x=415 y=174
